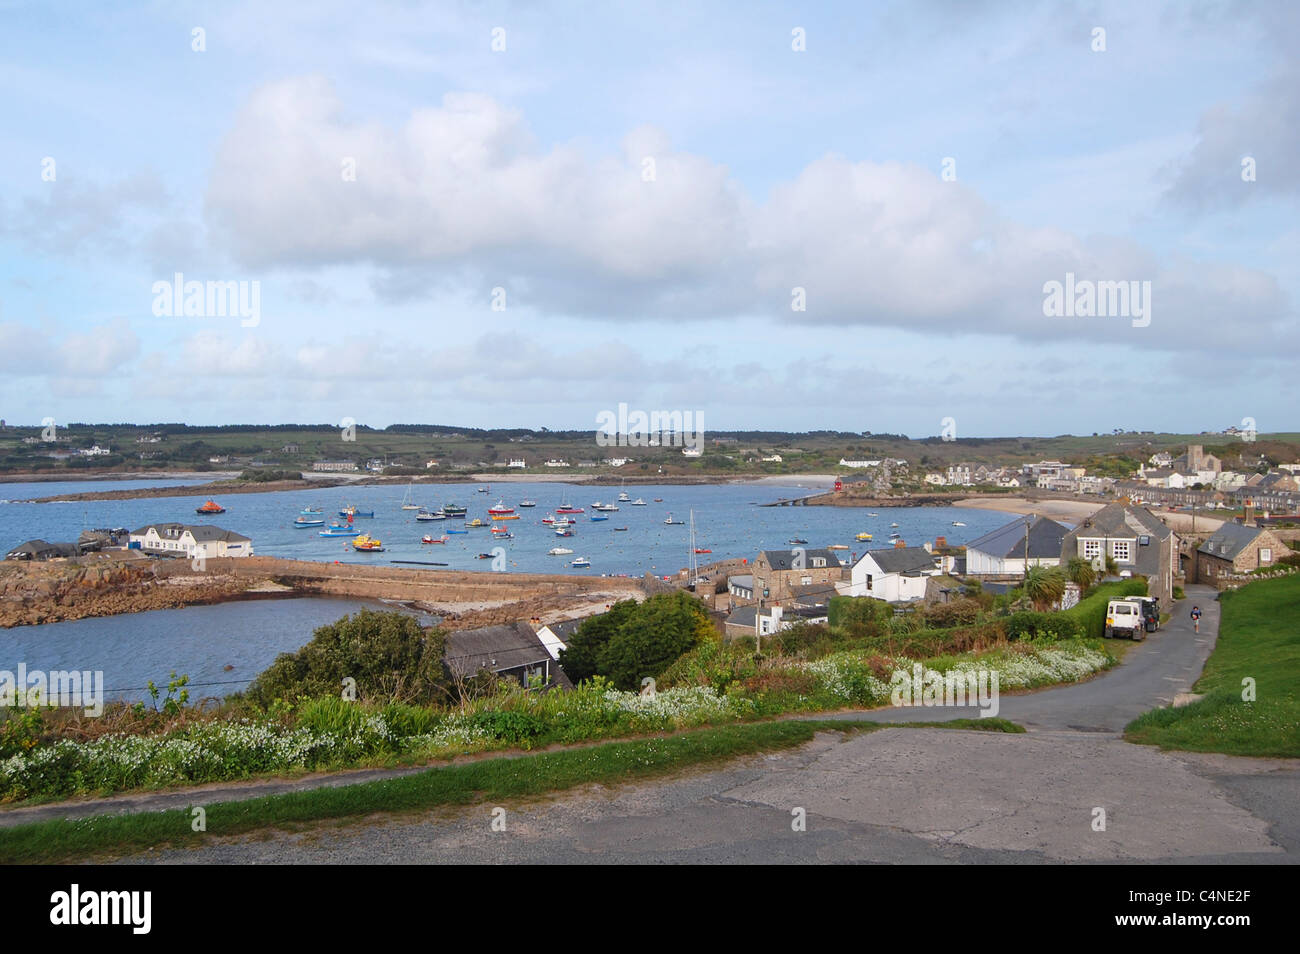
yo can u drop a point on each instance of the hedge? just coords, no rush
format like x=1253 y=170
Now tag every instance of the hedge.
x=1090 y=612
x=1029 y=625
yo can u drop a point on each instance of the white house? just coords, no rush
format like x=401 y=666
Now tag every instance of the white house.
x=95 y=451
x=191 y=540
x=895 y=574
x=935 y=478
x=859 y=463
x=554 y=462
x=691 y=452
x=1001 y=552
x=771 y=459
x=517 y=462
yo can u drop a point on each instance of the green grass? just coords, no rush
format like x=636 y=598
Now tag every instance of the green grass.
x=482 y=782
x=1259 y=638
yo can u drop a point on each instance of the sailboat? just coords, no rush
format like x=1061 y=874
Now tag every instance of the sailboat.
x=695 y=563
x=407 y=504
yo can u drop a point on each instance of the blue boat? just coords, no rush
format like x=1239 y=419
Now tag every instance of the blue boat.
x=454 y=530
x=594 y=517
x=310 y=511
x=340 y=530
x=306 y=521
x=354 y=512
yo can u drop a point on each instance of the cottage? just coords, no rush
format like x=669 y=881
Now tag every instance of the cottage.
x=751 y=621
x=190 y=541
x=41 y=550
x=775 y=572
x=1237 y=548
x=510 y=651
x=895 y=574
x=1135 y=539
x=1001 y=552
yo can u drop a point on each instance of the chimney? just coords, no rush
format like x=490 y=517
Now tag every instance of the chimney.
x=1248 y=518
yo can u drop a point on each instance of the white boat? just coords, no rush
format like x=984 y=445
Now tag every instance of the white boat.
x=430 y=515
x=873 y=515
x=673 y=522
x=406 y=499
x=893 y=524
x=638 y=502
x=958 y=523
x=580 y=562
x=604 y=507
x=528 y=503
x=558 y=551
x=624 y=497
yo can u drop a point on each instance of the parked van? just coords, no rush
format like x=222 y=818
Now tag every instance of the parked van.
x=1125 y=618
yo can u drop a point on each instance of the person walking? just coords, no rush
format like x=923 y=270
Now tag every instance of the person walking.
x=1196 y=618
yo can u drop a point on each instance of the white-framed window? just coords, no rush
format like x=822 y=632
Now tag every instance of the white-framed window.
x=806 y=580
x=1266 y=555
x=1091 y=549
x=1121 y=550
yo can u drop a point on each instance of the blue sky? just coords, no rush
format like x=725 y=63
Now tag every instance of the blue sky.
x=524 y=169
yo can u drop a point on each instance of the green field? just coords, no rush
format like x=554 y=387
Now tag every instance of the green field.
x=1259 y=639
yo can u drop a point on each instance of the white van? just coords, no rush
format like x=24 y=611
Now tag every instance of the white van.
x=1125 y=618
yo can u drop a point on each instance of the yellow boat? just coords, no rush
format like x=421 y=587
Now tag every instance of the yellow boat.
x=476 y=522
x=504 y=516
x=367 y=544
x=863 y=536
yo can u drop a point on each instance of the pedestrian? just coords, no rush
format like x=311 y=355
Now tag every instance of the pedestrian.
x=1196 y=618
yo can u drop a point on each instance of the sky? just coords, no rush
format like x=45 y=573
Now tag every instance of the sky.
x=838 y=216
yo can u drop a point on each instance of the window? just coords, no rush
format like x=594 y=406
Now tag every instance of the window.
x=819 y=561
x=806 y=580
x=1091 y=549
x=1266 y=555
x=1121 y=550
x=868 y=581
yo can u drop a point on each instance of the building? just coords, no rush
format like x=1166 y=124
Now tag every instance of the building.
x=509 y=651
x=1001 y=552
x=853 y=463
x=95 y=451
x=41 y=550
x=555 y=462
x=751 y=621
x=1196 y=460
x=334 y=466
x=555 y=636
x=741 y=586
x=517 y=462
x=776 y=572
x=1237 y=548
x=1135 y=539
x=893 y=574
x=190 y=541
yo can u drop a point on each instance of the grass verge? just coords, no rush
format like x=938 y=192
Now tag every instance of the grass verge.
x=1259 y=639
x=489 y=780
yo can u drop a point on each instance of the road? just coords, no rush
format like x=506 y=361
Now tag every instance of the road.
x=898 y=795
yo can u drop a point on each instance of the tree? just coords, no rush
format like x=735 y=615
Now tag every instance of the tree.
x=1044 y=586
x=1080 y=571
x=581 y=659
x=388 y=655
x=653 y=637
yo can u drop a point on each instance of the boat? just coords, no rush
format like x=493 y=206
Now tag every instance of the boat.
x=837 y=546
x=484 y=556
x=603 y=507
x=476 y=522
x=427 y=515
x=893 y=524
x=505 y=535
x=659 y=500
x=873 y=515
x=624 y=497
x=311 y=511
x=549 y=518
x=671 y=522
x=594 y=518
x=303 y=520
x=456 y=530
x=863 y=536
x=703 y=550
x=505 y=516
x=558 y=551
x=485 y=489
x=564 y=532
x=561 y=522
x=638 y=502
x=500 y=507
x=895 y=536
x=452 y=510
x=406 y=500
x=340 y=530
x=620 y=529
x=354 y=512
x=797 y=541
x=581 y=562
x=958 y=523
x=210 y=507
x=566 y=508
x=528 y=503
x=367 y=544
x=428 y=539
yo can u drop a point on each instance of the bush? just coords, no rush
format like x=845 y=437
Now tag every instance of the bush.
x=1090 y=612
x=509 y=725
x=845 y=612
x=1029 y=625
x=959 y=612
x=388 y=654
x=636 y=640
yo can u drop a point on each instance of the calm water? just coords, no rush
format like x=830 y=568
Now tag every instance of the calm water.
x=198 y=641
x=727 y=520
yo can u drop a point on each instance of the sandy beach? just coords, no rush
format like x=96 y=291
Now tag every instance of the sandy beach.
x=1075 y=511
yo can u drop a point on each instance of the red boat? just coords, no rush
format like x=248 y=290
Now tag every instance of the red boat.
x=210 y=507
x=568 y=510
x=501 y=508
x=700 y=550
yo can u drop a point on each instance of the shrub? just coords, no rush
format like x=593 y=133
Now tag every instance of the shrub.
x=508 y=725
x=959 y=612
x=1030 y=625
x=635 y=640
x=388 y=654
x=1090 y=612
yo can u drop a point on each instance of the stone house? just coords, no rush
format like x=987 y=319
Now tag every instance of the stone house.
x=776 y=572
x=1135 y=538
x=1237 y=548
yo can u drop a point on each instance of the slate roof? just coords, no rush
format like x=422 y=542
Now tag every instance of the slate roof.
x=1008 y=542
x=743 y=616
x=498 y=648
x=1229 y=540
x=202 y=532
x=784 y=559
x=1122 y=521
x=902 y=559
x=42 y=550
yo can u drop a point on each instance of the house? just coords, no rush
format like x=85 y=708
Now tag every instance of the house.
x=510 y=651
x=41 y=550
x=1001 y=552
x=1135 y=539
x=1237 y=548
x=517 y=462
x=741 y=586
x=555 y=636
x=771 y=459
x=854 y=463
x=334 y=466
x=893 y=574
x=776 y=572
x=555 y=462
x=935 y=478
x=95 y=451
x=750 y=621
x=961 y=475
x=190 y=540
